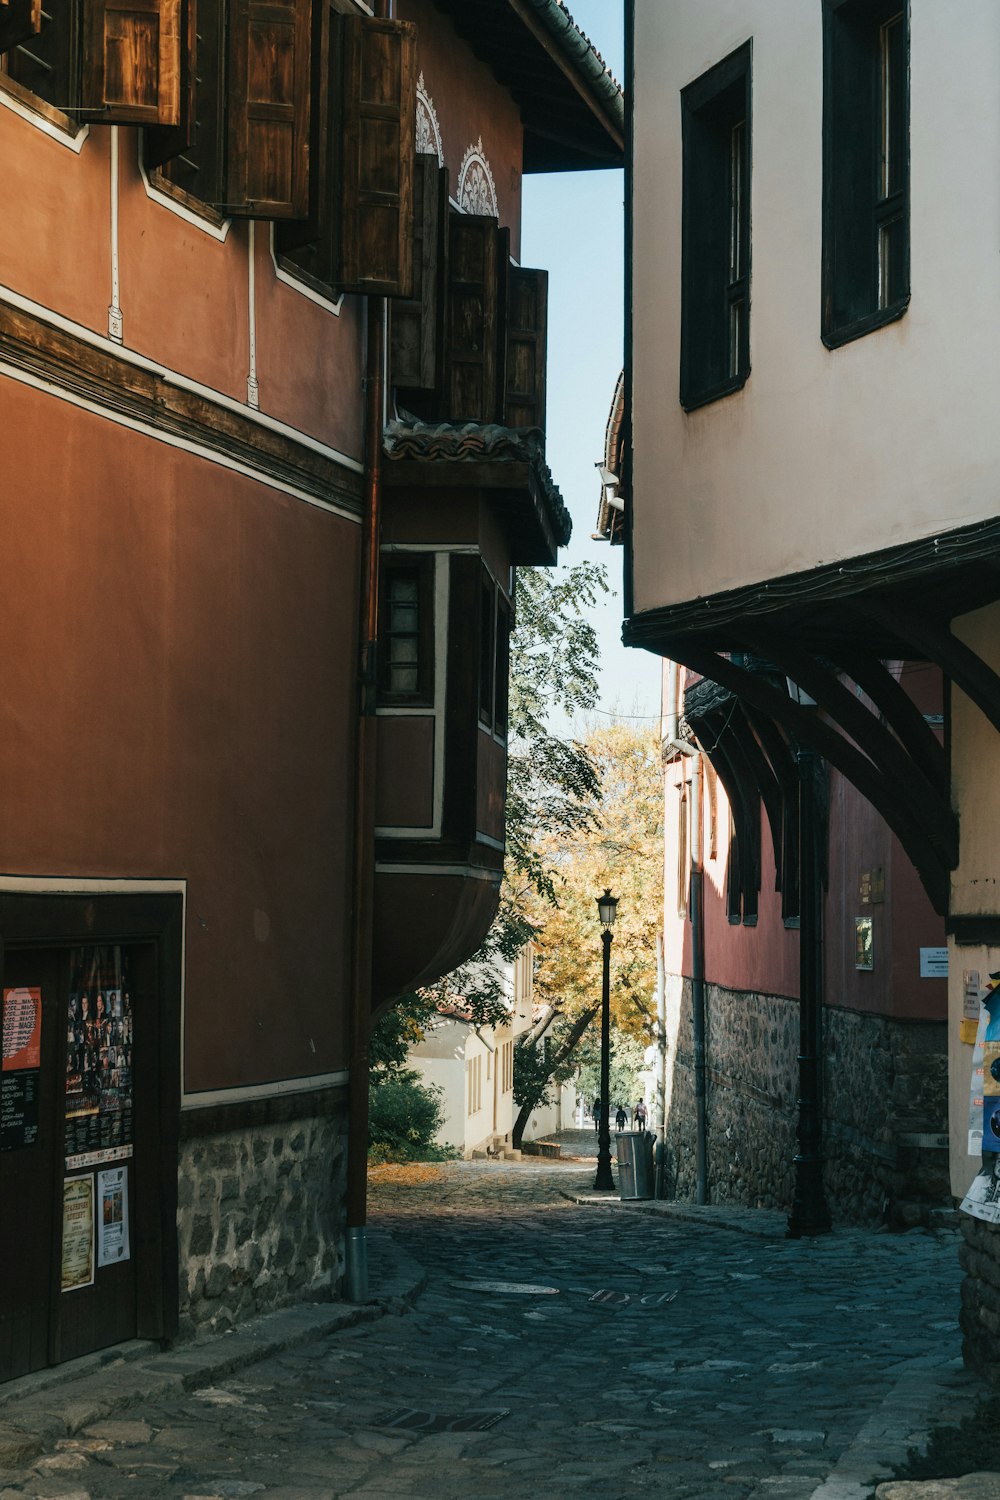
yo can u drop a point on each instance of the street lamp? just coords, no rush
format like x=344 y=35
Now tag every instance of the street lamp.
x=607 y=906
x=810 y=1214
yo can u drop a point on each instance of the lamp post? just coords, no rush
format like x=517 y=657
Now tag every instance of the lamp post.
x=607 y=906
x=810 y=1214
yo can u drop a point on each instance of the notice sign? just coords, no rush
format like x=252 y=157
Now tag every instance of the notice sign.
x=934 y=963
x=78 y=1233
x=112 y=1223
x=20 y=1067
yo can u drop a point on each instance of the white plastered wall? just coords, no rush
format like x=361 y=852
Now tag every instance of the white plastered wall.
x=824 y=454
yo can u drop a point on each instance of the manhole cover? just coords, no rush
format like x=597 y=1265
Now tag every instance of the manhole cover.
x=512 y=1288
x=408 y=1420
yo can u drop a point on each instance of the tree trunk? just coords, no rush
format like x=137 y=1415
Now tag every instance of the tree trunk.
x=566 y=1047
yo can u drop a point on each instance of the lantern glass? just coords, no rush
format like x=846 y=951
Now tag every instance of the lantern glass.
x=607 y=905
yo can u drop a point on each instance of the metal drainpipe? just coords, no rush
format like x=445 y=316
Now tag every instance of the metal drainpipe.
x=356 y=1248
x=660 y=1121
x=697 y=909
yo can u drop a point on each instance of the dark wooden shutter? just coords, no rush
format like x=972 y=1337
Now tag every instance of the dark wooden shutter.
x=379 y=145
x=416 y=331
x=267 y=165
x=163 y=142
x=19 y=19
x=527 y=321
x=470 y=393
x=312 y=243
x=132 y=62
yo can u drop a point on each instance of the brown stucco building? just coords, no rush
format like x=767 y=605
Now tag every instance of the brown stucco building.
x=271 y=387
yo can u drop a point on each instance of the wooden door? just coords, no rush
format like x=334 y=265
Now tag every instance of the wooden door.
x=68 y=1268
x=30 y=1155
x=96 y=1201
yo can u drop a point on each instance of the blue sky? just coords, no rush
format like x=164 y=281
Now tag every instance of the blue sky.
x=574 y=225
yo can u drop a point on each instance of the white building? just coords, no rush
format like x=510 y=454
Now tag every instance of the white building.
x=812 y=456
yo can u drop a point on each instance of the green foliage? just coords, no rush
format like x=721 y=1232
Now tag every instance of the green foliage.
x=553 y=787
x=532 y=1075
x=627 y=1057
x=401 y=1028
x=403 y=1117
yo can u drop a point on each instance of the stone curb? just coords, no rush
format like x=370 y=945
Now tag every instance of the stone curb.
x=981 y=1486
x=57 y=1403
x=764 y=1223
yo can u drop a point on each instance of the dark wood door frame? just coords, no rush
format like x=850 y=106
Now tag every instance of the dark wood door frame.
x=151 y=923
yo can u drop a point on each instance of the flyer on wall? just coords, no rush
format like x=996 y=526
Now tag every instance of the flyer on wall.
x=112 y=1221
x=20 y=1069
x=78 y=1233
x=982 y=1200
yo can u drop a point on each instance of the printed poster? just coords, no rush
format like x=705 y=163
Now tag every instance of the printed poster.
x=98 y=1058
x=78 y=1233
x=112 y=1219
x=20 y=1072
x=982 y=1200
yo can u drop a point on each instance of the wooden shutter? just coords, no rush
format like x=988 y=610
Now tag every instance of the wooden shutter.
x=163 y=142
x=267 y=163
x=527 y=320
x=416 y=331
x=472 y=319
x=132 y=62
x=379 y=145
x=19 y=19
x=312 y=242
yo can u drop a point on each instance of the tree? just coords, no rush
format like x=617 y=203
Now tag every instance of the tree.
x=623 y=850
x=552 y=790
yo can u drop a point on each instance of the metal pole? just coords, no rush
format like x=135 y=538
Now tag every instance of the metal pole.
x=698 y=1017
x=604 y=1182
x=810 y=1214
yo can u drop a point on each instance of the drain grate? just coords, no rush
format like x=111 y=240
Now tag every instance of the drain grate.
x=408 y=1420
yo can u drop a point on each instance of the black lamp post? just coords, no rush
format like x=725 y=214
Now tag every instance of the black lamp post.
x=810 y=1214
x=607 y=905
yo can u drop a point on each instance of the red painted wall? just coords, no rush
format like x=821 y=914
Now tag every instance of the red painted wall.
x=178 y=645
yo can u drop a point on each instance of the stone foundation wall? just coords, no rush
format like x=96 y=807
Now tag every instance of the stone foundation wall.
x=885 y=1108
x=259 y=1220
x=980 y=1316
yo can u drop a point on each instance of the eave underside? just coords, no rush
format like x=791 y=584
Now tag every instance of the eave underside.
x=571 y=108
x=830 y=632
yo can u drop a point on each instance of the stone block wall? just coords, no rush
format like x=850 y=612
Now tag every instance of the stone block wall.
x=884 y=1106
x=979 y=1257
x=259 y=1219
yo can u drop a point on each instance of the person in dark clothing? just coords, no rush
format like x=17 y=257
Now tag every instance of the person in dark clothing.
x=621 y=1119
x=597 y=1114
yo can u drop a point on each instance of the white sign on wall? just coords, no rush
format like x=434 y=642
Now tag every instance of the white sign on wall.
x=934 y=963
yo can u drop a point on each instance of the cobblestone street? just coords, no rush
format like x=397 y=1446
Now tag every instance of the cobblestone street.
x=555 y=1348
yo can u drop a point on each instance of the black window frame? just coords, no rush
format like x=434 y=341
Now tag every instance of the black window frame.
x=866 y=139
x=421 y=570
x=493 y=667
x=716 y=132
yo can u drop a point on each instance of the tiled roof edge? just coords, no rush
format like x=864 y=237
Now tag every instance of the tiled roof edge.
x=584 y=56
x=484 y=442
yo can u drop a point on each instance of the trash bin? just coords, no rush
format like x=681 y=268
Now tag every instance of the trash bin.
x=635 y=1163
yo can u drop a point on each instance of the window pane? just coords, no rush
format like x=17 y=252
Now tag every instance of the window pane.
x=403 y=589
x=403 y=618
x=403 y=649
x=402 y=679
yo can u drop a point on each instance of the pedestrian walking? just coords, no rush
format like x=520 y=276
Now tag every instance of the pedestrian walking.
x=621 y=1118
x=597 y=1114
x=639 y=1115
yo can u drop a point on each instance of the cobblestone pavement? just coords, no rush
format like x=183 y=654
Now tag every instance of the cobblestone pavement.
x=559 y=1349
